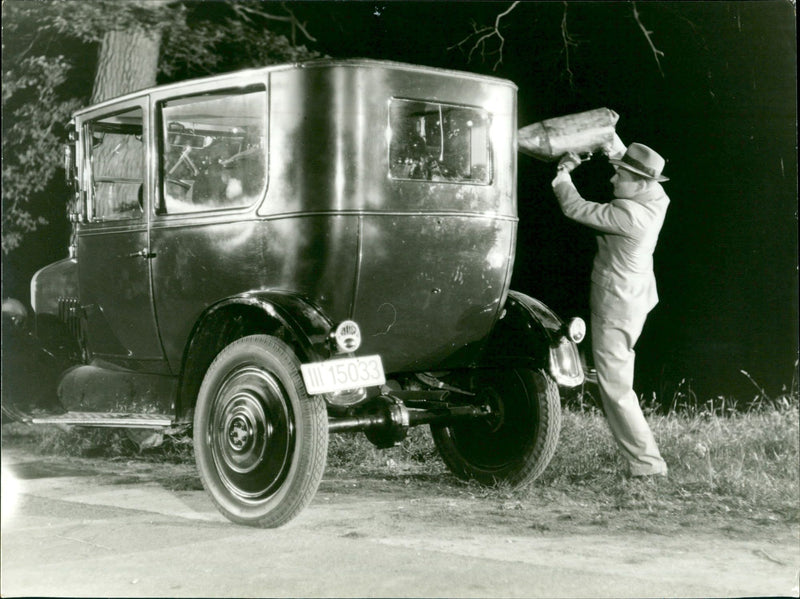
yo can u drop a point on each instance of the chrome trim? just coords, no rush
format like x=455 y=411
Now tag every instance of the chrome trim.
x=107 y=420
x=207 y=218
x=566 y=369
x=575 y=329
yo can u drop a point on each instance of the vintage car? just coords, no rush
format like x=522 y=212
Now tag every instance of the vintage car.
x=271 y=256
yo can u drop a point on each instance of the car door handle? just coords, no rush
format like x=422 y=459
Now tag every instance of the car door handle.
x=142 y=253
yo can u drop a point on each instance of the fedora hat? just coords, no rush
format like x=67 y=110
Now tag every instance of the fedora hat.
x=643 y=161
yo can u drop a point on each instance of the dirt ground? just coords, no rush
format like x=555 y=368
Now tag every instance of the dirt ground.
x=93 y=527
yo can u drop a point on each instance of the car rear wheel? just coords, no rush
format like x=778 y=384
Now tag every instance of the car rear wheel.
x=260 y=441
x=516 y=444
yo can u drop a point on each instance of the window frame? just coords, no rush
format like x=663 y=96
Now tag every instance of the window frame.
x=158 y=207
x=489 y=142
x=85 y=160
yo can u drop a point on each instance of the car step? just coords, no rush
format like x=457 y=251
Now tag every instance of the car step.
x=107 y=420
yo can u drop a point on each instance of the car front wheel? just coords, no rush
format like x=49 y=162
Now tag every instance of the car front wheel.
x=260 y=441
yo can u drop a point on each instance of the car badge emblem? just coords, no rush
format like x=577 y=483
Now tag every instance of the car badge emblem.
x=348 y=336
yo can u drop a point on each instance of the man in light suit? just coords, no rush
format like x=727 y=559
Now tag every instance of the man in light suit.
x=623 y=287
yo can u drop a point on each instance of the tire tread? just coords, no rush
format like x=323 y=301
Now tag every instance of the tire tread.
x=529 y=467
x=312 y=456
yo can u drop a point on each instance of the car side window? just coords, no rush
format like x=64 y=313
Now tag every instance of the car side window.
x=213 y=151
x=116 y=166
x=431 y=141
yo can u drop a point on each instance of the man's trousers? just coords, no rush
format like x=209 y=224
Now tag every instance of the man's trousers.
x=612 y=346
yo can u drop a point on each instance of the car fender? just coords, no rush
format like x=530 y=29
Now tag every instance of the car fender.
x=528 y=334
x=290 y=317
x=307 y=325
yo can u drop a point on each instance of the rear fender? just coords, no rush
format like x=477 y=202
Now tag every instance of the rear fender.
x=284 y=315
x=531 y=335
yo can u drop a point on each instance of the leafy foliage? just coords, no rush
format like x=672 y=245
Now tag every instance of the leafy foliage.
x=205 y=42
x=34 y=116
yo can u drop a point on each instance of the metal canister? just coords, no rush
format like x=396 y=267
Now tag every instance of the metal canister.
x=583 y=133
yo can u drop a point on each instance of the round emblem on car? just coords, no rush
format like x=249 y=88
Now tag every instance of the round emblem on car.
x=348 y=336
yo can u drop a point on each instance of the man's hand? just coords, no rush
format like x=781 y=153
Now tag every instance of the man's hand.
x=569 y=162
x=566 y=165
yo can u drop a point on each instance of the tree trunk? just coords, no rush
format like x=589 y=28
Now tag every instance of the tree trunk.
x=128 y=62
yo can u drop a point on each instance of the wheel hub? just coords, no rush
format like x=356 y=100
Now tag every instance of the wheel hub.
x=240 y=433
x=491 y=398
x=251 y=434
x=245 y=432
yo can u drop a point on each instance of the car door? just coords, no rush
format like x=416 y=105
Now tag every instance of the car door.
x=114 y=257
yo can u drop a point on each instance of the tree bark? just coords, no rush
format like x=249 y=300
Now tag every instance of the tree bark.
x=128 y=62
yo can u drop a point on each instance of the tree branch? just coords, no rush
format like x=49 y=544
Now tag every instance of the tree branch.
x=480 y=37
x=568 y=41
x=647 y=33
x=245 y=12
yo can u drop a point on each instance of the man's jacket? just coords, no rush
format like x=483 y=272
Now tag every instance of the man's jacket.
x=623 y=283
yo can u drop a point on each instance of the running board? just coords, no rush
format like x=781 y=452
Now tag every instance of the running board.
x=106 y=420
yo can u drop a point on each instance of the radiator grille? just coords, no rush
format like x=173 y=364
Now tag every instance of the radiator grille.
x=69 y=312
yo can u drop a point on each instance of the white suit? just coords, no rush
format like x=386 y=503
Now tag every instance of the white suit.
x=623 y=291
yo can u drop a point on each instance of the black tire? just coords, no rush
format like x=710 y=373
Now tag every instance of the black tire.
x=260 y=441
x=516 y=445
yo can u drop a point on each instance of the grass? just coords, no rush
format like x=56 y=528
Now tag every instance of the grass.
x=684 y=400
x=745 y=463
x=732 y=469
x=97 y=443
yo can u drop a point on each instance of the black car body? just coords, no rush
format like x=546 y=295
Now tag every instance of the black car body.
x=273 y=255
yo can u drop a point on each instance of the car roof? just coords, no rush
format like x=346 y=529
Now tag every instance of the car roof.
x=299 y=66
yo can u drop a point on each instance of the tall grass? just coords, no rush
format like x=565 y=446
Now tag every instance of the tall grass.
x=681 y=398
x=742 y=459
x=751 y=457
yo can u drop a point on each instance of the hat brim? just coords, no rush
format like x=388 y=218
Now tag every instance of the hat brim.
x=628 y=167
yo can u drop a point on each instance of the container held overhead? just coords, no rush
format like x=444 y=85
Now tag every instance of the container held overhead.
x=583 y=133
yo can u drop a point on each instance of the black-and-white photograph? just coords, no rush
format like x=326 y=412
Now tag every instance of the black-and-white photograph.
x=400 y=299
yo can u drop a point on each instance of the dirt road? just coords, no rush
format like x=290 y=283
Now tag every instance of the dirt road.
x=78 y=527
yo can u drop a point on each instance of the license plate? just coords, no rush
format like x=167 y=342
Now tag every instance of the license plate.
x=342 y=374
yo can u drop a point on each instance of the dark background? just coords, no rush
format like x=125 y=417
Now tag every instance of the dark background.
x=723 y=113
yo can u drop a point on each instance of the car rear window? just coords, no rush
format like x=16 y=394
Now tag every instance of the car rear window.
x=431 y=141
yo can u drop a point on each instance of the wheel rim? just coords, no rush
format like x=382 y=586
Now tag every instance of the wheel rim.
x=251 y=433
x=494 y=444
